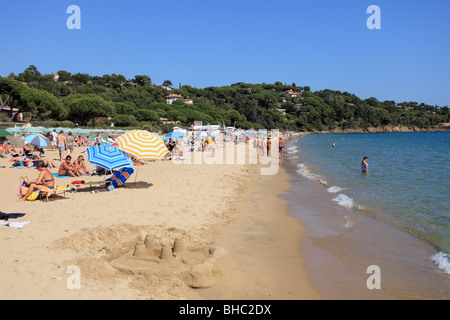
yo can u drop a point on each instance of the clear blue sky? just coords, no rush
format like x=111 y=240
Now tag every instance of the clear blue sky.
x=324 y=44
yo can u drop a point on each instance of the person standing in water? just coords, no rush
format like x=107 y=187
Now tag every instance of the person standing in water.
x=365 y=165
x=281 y=148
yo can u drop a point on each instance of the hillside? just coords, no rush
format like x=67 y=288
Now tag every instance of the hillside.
x=85 y=100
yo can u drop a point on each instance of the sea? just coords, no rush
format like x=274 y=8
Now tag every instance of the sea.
x=381 y=234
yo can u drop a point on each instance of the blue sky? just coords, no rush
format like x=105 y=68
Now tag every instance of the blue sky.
x=324 y=44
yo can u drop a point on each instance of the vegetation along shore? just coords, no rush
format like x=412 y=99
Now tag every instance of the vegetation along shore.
x=69 y=100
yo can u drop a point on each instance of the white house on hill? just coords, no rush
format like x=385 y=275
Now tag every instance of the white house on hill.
x=172 y=97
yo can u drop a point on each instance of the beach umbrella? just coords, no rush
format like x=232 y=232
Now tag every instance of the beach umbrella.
x=15 y=130
x=203 y=134
x=4 y=133
x=175 y=135
x=142 y=144
x=34 y=130
x=36 y=140
x=108 y=157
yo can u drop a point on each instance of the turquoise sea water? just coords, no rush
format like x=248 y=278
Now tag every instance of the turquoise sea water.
x=407 y=186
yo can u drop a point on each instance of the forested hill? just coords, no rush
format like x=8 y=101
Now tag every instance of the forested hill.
x=85 y=100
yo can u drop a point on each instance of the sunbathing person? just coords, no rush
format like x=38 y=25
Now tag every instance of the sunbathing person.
x=44 y=181
x=27 y=150
x=32 y=163
x=9 y=149
x=48 y=163
x=68 y=169
x=80 y=166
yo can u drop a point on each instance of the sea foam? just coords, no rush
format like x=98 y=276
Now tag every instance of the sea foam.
x=303 y=170
x=441 y=259
x=292 y=149
x=344 y=200
x=334 y=189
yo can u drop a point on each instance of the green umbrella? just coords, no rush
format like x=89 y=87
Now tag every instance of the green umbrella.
x=4 y=133
x=15 y=130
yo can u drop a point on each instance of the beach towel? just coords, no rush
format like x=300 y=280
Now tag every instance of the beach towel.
x=17 y=225
x=58 y=176
x=120 y=176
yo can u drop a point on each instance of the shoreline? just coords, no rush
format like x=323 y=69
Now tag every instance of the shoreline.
x=341 y=242
x=265 y=243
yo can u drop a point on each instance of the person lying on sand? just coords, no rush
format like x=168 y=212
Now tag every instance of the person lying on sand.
x=9 y=149
x=67 y=168
x=47 y=163
x=44 y=181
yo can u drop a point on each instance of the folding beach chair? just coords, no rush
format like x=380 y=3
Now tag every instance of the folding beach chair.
x=48 y=192
x=78 y=184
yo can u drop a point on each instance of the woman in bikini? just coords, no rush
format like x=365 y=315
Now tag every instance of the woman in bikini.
x=44 y=181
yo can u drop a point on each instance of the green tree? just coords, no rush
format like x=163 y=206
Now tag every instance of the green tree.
x=125 y=108
x=30 y=74
x=84 y=110
x=125 y=120
x=145 y=115
x=64 y=76
x=39 y=103
x=142 y=80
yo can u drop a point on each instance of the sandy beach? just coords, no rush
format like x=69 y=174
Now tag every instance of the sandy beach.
x=238 y=242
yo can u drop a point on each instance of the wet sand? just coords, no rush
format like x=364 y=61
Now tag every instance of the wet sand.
x=339 y=245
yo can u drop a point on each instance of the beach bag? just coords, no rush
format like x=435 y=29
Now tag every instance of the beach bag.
x=24 y=188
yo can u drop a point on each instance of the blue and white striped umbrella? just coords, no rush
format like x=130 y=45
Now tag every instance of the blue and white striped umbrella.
x=108 y=157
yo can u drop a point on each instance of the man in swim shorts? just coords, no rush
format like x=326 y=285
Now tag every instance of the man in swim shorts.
x=54 y=137
x=62 y=144
x=281 y=147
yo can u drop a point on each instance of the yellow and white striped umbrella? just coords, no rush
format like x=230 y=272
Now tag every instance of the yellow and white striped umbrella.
x=142 y=144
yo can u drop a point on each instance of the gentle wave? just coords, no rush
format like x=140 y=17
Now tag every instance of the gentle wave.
x=292 y=149
x=441 y=259
x=308 y=174
x=344 y=201
x=347 y=202
x=335 y=189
